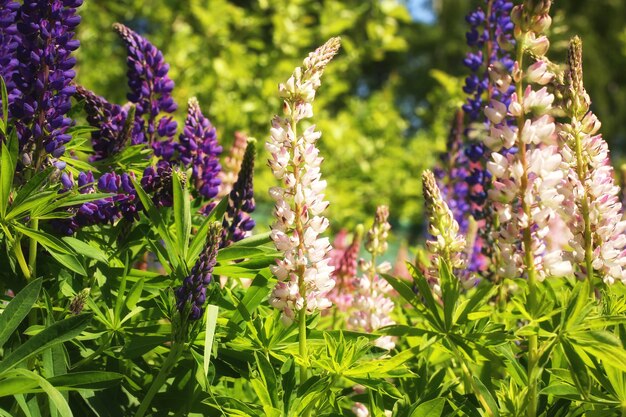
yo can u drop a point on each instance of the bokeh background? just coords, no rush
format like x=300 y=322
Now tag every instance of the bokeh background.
x=386 y=101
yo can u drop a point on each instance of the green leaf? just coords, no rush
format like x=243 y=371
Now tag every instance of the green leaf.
x=268 y=376
x=48 y=241
x=157 y=221
x=256 y=293
x=32 y=185
x=134 y=294
x=577 y=367
x=197 y=243
x=240 y=252
x=182 y=213
x=5 y=104
x=432 y=408
x=8 y=161
x=58 y=332
x=486 y=394
x=86 y=249
x=70 y=261
x=209 y=335
x=449 y=291
x=56 y=398
x=92 y=380
x=18 y=309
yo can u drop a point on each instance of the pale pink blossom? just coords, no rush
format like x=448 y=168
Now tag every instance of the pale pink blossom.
x=305 y=272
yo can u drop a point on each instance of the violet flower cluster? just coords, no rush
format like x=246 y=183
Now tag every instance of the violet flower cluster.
x=114 y=123
x=491 y=34
x=237 y=222
x=191 y=295
x=150 y=88
x=124 y=202
x=304 y=273
x=9 y=42
x=42 y=78
x=198 y=148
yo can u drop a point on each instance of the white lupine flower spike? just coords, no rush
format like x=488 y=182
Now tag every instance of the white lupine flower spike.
x=304 y=272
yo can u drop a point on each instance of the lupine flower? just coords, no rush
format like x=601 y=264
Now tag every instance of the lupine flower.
x=449 y=244
x=157 y=181
x=113 y=121
x=596 y=218
x=232 y=164
x=123 y=204
x=199 y=149
x=191 y=296
x=304 y=272
x=237 y=221
x=528 y=186
x=345 y=273
x=9 y=41
x=150 y=87
x=452 y=172
x=371 y=306
x=491 y=37
x=78 y=302
x=43 y=78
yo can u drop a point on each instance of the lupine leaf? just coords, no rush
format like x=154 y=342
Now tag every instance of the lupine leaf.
x=58 y=332
x=18 y=309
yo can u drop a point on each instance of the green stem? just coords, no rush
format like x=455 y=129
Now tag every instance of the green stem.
x=528 y=250
x=581 y=171
x=302 y=343
x=32 y=249
x=170 y=361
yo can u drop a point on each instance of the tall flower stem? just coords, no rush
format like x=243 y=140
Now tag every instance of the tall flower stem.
x=585 y=214
x=528 y=250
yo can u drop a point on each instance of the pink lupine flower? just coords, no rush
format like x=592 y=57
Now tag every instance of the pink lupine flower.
x=304 y=272
x=528 y=193
x=595 y=221
x=342 y=295
x=372 y=307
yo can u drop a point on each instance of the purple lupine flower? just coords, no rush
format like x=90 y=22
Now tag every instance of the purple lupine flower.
x=489 y=35
x=112 y=120
x=43 y=78
x=237 y=222
x=123 y=204
x=150 y=87
x=452 y=173
x=9 y=42
x=198 y=147
x=191 y=296
x=157 y=181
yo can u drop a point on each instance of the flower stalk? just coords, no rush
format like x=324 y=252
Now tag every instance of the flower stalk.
x=304 y=273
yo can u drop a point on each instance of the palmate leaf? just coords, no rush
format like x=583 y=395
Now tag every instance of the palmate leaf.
x=15 y=383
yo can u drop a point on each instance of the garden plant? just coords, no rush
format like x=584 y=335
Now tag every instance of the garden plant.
x=135 y=281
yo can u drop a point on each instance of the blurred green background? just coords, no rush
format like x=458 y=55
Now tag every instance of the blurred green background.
x=385 y=102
